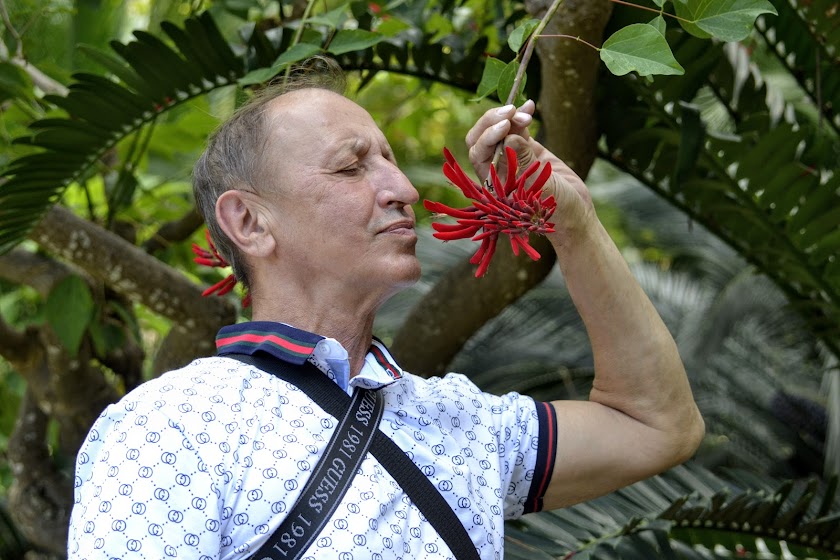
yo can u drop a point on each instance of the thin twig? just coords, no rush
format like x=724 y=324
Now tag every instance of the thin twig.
x=572 y=37
x=11 y=29
x=298 y=33
x=520 y=73
x=660 y=11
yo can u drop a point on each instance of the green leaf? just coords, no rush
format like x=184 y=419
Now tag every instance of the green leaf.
x=506 y=83
x=332 y=19
x=69 y=309
x=727 y=20
x=659 y=23
x=639 y=47
x=392 y=26
x=493 y=68
x=258 y=76
x=14 y=82
x=296 y=53
x=521 y=34
x=348 y=40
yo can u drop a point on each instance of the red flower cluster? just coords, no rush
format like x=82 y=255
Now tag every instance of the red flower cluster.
x=213 y=259
x=510 y=209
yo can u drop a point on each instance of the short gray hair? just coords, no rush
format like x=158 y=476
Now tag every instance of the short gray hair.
x=232 y=159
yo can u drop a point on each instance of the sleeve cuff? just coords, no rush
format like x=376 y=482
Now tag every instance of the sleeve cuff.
x=546 y=453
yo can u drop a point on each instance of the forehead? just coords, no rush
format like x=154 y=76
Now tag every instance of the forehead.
x=313 y=122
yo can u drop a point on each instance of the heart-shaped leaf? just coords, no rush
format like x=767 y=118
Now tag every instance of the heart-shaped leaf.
x=639 y=47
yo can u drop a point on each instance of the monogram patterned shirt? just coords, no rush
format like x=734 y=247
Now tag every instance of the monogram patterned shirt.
x=204 y=462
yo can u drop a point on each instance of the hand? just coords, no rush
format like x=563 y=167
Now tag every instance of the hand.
x=574 y=203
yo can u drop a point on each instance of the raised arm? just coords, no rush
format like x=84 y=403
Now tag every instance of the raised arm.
x=641 y=418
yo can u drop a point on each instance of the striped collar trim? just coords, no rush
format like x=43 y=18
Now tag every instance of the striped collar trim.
x=383 y=357
x=280 y=340
x=288 y=344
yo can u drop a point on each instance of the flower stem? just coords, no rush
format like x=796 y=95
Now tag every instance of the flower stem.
x=649 y=9
x=520 y=73
x=298 y=33
x=572 y=37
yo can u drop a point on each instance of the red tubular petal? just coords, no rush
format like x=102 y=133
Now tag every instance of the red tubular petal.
x=455 y=174
x=437 y=226
x=246 y=301
x=485 y=234
x=473 y=222
x=530 y=251
x=448 y=156
x=453 y=235
x=485 y=259
x=520 y=183
x=498 y=189
x=440 y=208
x=514 y=244
x=512 y=166
x=479 y=254
x=205 y=261
x=227 y=285
x=200 y=251
x=541 y=179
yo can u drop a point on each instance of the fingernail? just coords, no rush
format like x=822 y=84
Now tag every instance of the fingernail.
x=500 y=125
x=521 y=118
x=504 y=110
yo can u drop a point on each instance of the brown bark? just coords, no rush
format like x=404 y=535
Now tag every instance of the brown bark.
x=459 y=305
x=40 y=498
x=139 y=277
x=174 y=231
x=569 y=71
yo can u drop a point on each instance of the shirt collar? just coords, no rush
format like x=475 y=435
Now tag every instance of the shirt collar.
x=292 y=345
x=278 y=339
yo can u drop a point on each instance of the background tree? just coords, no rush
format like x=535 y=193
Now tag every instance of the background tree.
x=99 y=292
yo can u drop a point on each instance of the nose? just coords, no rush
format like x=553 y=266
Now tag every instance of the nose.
x=396 y=189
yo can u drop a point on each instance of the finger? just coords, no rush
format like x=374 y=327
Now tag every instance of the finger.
x=522 y=119
x=481 y=152
x=490 y=118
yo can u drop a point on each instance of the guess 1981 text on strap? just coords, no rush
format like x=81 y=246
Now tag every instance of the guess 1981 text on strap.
x=408 y=475
x=330 y=479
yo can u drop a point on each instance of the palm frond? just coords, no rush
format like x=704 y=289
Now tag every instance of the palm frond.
x=806 y=39
x=689 y=513
x=153 y=76
x=783 y=217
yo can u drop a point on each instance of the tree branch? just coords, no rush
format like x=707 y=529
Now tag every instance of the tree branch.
x=134 y=274
x=34 y=270
x=16 y=346
x=40 y=497
x=47 y=84
x=174 y=232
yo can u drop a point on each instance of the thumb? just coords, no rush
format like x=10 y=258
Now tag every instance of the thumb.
x=525 y=155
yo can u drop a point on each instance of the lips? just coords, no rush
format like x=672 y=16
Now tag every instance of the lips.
x=401 y=227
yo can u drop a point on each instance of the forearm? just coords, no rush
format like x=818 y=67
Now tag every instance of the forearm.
x=638 y=370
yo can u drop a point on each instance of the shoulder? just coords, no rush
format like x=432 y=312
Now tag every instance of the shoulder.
x=459 y=389
x=205 y=392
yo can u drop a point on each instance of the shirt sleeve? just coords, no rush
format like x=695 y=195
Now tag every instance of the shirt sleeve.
x=527 y=440
x=524 y=435
x=141 y=491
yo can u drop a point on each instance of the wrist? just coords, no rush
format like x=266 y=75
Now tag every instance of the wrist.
x=573 y=234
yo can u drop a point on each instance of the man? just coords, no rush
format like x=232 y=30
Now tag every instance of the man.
x=302 y=194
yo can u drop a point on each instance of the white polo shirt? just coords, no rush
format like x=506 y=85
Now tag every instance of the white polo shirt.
x=204 y=462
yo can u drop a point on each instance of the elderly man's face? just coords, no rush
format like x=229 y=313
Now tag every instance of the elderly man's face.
x=342 y=207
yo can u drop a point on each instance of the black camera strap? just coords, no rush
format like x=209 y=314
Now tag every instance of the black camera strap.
x=306 y=518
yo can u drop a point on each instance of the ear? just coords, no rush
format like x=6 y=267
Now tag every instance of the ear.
x=246 y=222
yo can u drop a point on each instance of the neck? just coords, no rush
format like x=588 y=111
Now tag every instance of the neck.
x=348 y=321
